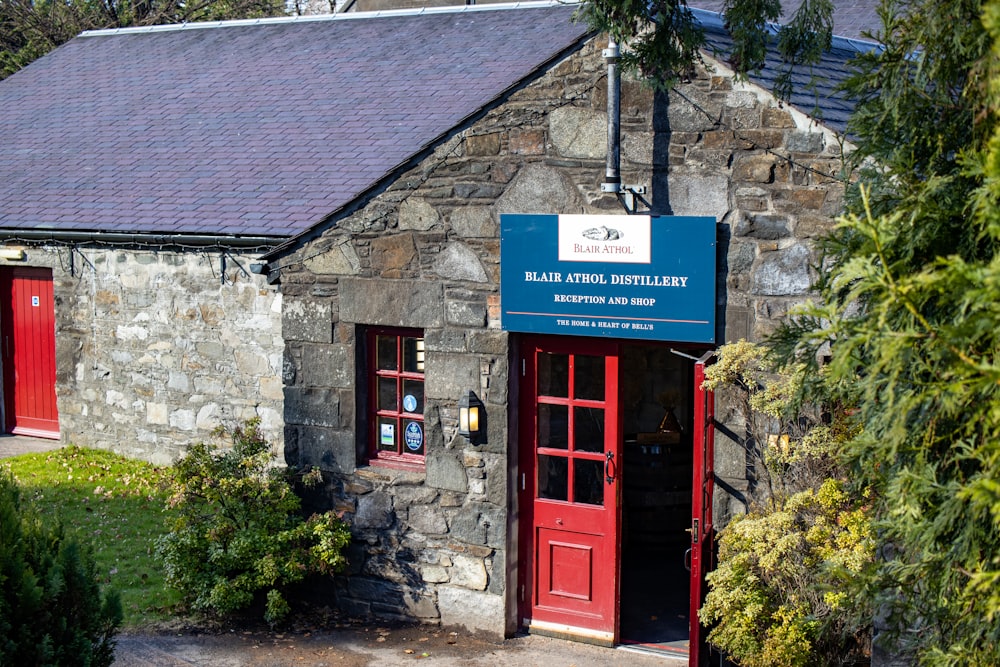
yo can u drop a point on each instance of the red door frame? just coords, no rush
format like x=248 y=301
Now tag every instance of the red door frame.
x=703 y=489
x=702 y=529
x=27 y=316
x=596 y=619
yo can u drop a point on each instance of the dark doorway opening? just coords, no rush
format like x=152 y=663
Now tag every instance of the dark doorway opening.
x=657 y=414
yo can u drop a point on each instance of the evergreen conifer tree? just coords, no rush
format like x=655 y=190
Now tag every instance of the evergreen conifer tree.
x=52 y=611
x=908 y=301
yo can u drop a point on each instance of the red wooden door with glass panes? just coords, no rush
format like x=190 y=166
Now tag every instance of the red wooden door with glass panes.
x=396 y=387
x=29 y=352
x=571 y=487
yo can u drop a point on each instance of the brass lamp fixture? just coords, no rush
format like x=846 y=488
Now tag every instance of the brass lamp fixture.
x=472 y=418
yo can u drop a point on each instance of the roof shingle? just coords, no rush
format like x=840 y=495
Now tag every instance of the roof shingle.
x=250 y=128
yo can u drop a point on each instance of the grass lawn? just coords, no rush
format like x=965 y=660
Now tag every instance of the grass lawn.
x=114 y=504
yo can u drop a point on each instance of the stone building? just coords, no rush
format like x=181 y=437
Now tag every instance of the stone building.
x=441 y=148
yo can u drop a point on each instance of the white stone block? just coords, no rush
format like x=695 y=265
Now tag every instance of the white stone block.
x=183 y=419
x=126 y=332
x=208 y=417
x=469 y=571
x=472 y=610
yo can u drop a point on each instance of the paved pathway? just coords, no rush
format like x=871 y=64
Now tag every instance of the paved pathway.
x=419 y=645
x=14 y=445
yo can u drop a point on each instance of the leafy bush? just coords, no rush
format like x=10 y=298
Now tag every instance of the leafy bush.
x=781 y=593
x=785 y=589
x=238 y=533
x=52 y=611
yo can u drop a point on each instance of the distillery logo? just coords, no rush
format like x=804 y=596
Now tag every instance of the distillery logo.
x=619 y=239
x=601 y=233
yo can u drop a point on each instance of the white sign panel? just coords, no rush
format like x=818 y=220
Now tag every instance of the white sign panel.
x=619 y=239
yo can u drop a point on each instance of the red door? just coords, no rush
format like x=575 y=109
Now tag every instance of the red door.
x=29 y=352
x=702 y=534
x=570 y=488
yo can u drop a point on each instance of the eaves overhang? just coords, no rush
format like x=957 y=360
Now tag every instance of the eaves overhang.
x=137 y=239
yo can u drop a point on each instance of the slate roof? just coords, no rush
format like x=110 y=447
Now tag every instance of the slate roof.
x=852 y=19
x=814 y=89
x=249 y=129
x=260 y=128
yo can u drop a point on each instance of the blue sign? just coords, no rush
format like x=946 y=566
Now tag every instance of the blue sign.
x=617 y=276
x=413 y=436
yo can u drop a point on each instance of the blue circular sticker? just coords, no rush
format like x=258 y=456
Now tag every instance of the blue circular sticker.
x=413 y=436
x=409 y=403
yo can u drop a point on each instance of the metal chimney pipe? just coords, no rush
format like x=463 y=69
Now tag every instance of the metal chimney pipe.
x=612 y=175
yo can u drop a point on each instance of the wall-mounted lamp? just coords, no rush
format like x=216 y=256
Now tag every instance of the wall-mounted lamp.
x=472 y=418
x=12 y=254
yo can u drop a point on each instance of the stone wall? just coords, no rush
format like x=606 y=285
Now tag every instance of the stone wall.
x=155 y=349
x=424 y=253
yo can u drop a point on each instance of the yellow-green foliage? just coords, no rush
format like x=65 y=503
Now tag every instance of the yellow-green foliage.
x=779 y=595
x=745 y=365
x=781 y=592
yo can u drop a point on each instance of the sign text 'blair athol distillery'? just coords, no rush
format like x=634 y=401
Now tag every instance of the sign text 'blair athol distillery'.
x=619 y=276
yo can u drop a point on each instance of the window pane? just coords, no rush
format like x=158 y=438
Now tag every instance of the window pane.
x=553 y=477
x=588 y=482
x=386 y=353
x=553 y=375
x=553 y=426
x=413 y=355
x=588 y=377
x=413 y=396
x=588 y=429
x=387 y=434
x=387 y=397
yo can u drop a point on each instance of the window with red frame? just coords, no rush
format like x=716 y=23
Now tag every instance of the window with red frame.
x=396 y=381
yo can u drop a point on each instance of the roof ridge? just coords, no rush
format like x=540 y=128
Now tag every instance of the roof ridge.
x=384 y=13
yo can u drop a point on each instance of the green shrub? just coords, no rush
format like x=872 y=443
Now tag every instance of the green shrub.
x=237 y=533
x=786 y=588
x=52 y=611
x=782 y=592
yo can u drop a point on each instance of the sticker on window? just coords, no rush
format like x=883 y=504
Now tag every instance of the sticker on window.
x=413 y=437
x=388 y=434
x=409 y=402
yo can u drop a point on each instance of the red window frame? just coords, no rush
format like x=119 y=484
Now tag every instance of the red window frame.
x=397 y=416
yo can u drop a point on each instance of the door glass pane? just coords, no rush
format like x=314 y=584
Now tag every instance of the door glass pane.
x=553 y=375
x=588 y=429
x=553 y=426
x=413 y=355
x=387 y=434
x=588 y=482
x=385 y=350
x=588 y=377
x=553 y=477
x=413 y=396
x=387 y=394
